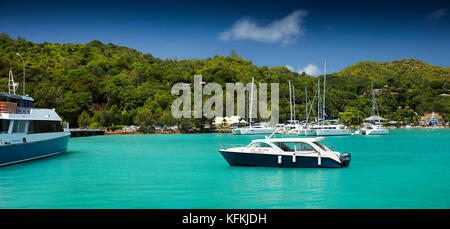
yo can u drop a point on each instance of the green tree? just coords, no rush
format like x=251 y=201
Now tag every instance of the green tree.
x=144 y=119
x=84 y=119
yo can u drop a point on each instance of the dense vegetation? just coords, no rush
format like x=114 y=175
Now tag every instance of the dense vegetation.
x=98 y=84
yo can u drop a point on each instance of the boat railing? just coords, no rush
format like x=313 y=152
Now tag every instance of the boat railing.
x=65 y=126
x=230 y=145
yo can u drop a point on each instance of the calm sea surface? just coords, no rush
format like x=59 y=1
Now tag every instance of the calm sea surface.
x=406 y=169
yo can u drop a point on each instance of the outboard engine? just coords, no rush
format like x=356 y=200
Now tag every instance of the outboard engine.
x=345 y=159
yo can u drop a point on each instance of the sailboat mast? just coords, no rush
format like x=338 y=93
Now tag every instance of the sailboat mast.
x=290 y=98
x=318 y=100
x=373 y=101
x=306 y=105
x=293 y=100
x=251 y=103
x=324 y=81
x=374 y=106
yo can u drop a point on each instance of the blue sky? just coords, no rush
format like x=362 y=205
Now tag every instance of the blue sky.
x=300 y=34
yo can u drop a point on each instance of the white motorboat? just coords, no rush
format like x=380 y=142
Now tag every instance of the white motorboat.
x=286 y=152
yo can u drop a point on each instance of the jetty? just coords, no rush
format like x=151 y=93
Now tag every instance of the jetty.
x=81 y=132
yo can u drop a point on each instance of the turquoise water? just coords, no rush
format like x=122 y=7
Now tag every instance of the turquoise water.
x=406 y=169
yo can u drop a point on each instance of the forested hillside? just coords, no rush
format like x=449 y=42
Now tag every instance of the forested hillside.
x=100 y=84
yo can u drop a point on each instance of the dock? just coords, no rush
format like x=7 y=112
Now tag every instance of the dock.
x=79 y=132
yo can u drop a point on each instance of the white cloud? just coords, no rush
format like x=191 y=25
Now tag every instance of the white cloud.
x=437 y=14
x=285 y=30
x=309 y=69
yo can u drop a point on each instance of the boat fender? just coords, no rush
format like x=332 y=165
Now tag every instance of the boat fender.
x=345 y=159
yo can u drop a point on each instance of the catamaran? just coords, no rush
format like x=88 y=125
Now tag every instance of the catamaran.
x=27 y=132
x=259 y=128
x=320 y=128
x=374 y=127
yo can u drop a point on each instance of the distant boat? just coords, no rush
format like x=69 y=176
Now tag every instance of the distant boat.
x=292 y=126
x=253 y=129
x=320 y=128
x=433 y=120
x=27 y=132
x=373 y=126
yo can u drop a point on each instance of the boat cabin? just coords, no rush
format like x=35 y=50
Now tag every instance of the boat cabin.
x=15 y=104
x=289 y=145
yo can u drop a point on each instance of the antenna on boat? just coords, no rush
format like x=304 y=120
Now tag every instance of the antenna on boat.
x=273 y=133
x=11 y=85
x=23 y=61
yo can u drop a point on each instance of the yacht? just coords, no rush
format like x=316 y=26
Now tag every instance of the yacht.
x=285 y=152
x=256 y=128
x=253 y=129
x=27 y=132
x=326 y=130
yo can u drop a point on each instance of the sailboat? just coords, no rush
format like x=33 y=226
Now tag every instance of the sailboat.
x=293 y=125
x=253 y=129
x=373 y=127
x=320 y=128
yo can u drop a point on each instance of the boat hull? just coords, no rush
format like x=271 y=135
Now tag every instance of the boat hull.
x=333 y=132
x=249 y=131
x=15 y=153
x=270 y=160
x=324 y=132
x=377 y=132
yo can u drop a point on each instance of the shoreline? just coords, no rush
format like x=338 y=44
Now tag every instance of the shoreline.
x=228 y=131
x=122 y=132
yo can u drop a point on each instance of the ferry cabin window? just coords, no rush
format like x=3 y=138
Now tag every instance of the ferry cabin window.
x=4 y=126
x=19 y=126
x=321 y=146
x=286 y=146
x=259 y=145
x=36 y=127
x=303 y=147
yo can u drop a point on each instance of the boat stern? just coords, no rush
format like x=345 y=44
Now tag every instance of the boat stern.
x=345 y=159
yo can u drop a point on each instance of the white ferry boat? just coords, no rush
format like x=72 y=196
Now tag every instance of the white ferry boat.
x=27 y=132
